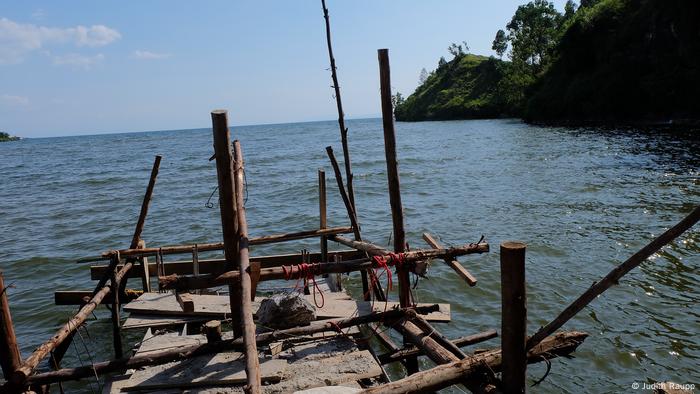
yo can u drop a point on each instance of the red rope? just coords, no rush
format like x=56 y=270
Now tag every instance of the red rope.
x=306 y=271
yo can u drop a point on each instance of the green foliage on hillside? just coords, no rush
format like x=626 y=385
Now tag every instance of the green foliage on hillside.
x=466 y=87
x=4 y=137
x=607 y=61
x=623 y=60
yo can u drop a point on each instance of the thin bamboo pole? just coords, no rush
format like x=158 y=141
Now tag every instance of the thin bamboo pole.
x=206 y=247
x=227 y=207
x=145 y=269
x=116 y=327
x=248 y=325
x=614 y=276
x=513 y=317
x=10 y=357
x=339 y=103
x=394 y=186
x=355 y=226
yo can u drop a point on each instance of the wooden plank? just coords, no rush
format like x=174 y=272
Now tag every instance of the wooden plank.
x=453 y=263
x=186 y=302
x=138 y=321
x=218 y=306
x=210 y=266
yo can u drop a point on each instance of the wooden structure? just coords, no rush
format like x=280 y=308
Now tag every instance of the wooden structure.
x=195 y=352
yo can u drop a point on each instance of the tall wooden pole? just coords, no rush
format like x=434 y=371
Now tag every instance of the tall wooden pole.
x=227 y=206
x=392 y=167
x=247 y=323
x=339 y=103
x=513 y=317
x=116 y=320
x=10 y=357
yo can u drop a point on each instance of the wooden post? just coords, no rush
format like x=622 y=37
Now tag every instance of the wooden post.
x=339 y=102
x=145 y=274
x=246 y=309
x=322 y=213
x=227 y=206
x=10 y=357
x=513 y=316
x=116 y=327
x=614 y=276
x=392 y=167
x=212 y=329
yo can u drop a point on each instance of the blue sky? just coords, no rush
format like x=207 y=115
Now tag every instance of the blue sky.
x=87 y=67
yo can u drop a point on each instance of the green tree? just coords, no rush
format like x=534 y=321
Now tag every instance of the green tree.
x=533 y=33
x=396 y=100
x=500 y=43
x=441 y=62
x=423 y=76
x=569 y=9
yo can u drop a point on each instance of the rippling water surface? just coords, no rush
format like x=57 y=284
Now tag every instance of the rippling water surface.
x=582 y=199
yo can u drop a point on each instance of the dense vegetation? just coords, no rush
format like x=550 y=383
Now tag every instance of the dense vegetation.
x=603 y=61
x=4 y=137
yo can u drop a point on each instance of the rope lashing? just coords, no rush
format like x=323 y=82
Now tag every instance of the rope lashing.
x=307 y=271
x=384 y=262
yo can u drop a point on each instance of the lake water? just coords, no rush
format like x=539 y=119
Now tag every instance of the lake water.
x=582 y=199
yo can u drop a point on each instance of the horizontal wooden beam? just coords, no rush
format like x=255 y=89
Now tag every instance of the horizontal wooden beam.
x=75 y=297
x=275 y=273
x=213 y=266
x=204 y=247
x=453 y=263
x=410 y=351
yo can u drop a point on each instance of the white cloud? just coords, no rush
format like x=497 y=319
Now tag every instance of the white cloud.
x=138 y=54
x=77 y=60
x=39 y=14
x=14 y=100
x=18 y=39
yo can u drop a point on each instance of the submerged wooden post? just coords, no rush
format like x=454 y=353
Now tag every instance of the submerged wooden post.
x=10 y=358
x=323 y=223
x=227 y=206
x=248 y=325
x=392 y=167
x=513 y=316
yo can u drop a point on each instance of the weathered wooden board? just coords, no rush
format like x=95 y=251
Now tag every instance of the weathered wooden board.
x=218 y=306
x=136 y=320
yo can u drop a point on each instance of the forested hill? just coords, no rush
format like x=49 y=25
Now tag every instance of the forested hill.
x=624 y=61
x=605 y=61
x=464 y=88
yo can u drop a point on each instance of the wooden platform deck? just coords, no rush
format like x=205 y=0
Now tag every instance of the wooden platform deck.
x=287 y=366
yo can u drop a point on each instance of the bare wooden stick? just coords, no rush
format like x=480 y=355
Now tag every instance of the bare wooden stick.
x=206 y=247
x=227 y=207
x=355 y=227
x=273 y=273
x=252 y=368
x=409 y=351
x=182 y=353
x=561 y=344
x=20 y=375
x=10 y=357
x=513 y=316
x=454 y=264
x=614 y=276
x=116 y=320
x=339 y=103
